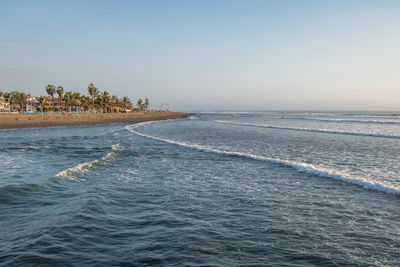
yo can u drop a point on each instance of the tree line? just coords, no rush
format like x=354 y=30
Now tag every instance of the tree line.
x=58 y=100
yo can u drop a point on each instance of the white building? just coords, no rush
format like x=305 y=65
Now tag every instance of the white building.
x=4 y=106
x=30 y=103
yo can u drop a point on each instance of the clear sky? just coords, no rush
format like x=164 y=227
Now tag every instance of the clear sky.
x=208 y=54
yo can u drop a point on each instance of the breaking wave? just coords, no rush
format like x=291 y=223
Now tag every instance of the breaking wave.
x=309 y=129
x=71 y=173
x=372 y=121
x=300 y=167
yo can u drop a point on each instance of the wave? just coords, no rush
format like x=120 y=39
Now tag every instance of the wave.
x=309 y=129
x=11 y=191
x=193 y=117
x=349 y=114
x=300 y=167
x=229 y=112
x=70 y=173
x=344 y=120
x=24 y=148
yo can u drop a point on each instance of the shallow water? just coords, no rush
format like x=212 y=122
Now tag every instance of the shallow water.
x=221 y=188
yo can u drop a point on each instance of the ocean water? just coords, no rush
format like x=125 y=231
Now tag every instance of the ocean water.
x=216 y=189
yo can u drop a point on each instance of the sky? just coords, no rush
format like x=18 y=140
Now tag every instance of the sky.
x=208 y=55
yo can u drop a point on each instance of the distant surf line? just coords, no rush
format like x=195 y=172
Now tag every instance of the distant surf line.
x=298 y=166
x=343 y=120
x=307 y=129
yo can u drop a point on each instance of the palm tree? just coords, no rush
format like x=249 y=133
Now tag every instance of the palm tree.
x=76 y=100
x=85 y=102
x=42 y=103
x=146 y=104
x=125 y=102
x=77 y=103
x=18 y=99
x=76 y=95
x=60 y=92
x=51 y=90
x=140 y=104
x=93 y=92
x=104 y=101
x=115 y=100
x=13 y=100
x=22 y=100
x=68 y=100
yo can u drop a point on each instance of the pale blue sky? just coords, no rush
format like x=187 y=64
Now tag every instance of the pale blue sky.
x=208 y=54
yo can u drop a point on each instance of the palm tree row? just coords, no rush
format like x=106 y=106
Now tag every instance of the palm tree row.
x=95 y=101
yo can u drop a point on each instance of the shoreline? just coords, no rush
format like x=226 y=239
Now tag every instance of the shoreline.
x=23 y=121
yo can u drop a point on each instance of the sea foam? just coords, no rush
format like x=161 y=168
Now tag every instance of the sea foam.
x=327 y=131
x=71 y=173
x=364 y=121
x=300 y=167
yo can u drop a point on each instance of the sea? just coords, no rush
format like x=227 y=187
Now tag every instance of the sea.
x=220 y=188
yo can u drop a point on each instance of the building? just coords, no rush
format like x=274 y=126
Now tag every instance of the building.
x=115 y=108
x=31 y=103
x=4 y=105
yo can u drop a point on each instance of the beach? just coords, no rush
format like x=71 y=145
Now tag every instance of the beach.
x=15 y=121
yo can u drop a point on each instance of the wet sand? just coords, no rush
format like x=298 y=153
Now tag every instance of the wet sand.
x=14 y=121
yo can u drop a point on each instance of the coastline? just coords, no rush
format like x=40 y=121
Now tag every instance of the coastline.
x=20 y=121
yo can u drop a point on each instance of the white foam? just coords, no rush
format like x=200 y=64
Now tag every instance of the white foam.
x=300 y=167
x=117 y=147
x=229 y=112
x=309 y=129
x=70 y=173
x=348 y=120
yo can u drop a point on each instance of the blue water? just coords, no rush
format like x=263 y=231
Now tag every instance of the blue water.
x=219 y=188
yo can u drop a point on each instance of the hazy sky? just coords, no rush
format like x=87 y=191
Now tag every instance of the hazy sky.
x=208 y=54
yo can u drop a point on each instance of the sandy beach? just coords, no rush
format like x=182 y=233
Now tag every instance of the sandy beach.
x=14 y=121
